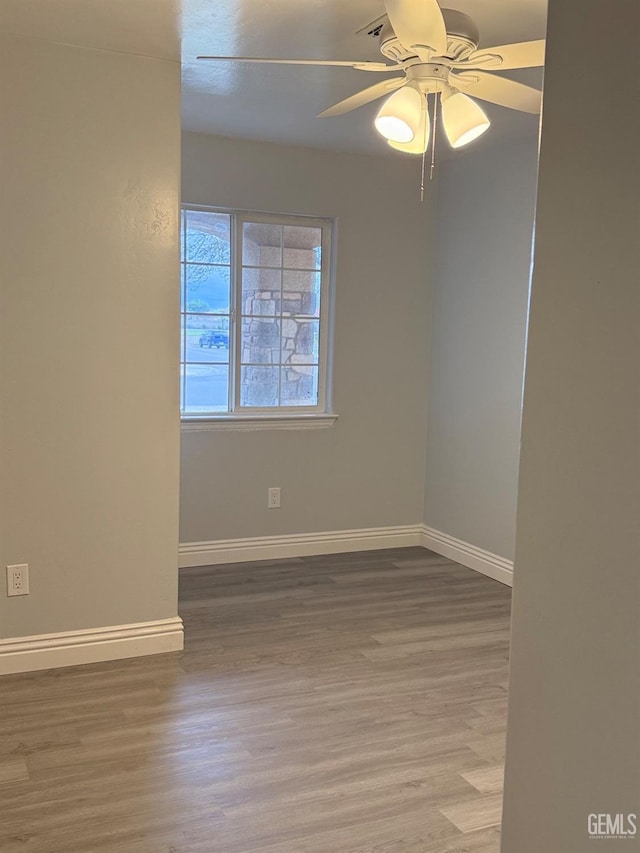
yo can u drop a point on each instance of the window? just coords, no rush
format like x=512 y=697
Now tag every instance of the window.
x=255 y=308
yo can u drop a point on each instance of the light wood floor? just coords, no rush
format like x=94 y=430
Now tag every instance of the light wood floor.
x=345 y=704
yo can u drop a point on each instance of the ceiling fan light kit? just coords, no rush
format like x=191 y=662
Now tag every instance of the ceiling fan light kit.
x=398 y=118
x=420 y=141
x=462 y=118
x=437 y=51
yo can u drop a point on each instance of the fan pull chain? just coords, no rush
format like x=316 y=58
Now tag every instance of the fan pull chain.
x=424 y=150
x=435 y=132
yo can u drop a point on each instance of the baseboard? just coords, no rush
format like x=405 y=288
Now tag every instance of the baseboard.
x=468 y=555
x=217 y=552
x=298 y=545
x=70 y=648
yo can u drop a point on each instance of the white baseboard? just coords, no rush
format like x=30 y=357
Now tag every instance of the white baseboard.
x=468 y=555
x=298 y=545
x=217 y=552
x=70 y=648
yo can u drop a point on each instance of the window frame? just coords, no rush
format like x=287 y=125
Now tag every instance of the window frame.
x=254 y=417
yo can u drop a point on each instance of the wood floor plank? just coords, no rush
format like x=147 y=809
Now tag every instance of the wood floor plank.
x=488 y=780
x=475 y=814
x=13 y=769
x=353 y=703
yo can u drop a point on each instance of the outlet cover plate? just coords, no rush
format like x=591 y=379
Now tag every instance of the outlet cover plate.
x=273 y=498
x=18 y=579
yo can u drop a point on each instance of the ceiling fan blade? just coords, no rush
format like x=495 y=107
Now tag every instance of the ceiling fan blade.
x=360 y=66
x=418 y=23
x=363 y=97
x=498 y=90
x=524 y=54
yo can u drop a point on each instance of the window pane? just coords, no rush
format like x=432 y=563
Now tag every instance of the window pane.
x=301 y=293
x=208 y=237
x=270 y=350
x=260 y=341
x=205 y=338
x=259 y=386
x=302 y=247
x=261 y=244
x=299 y=385
x=206 y=388
x=261 y=291
x=208 y=289
x=300 y=341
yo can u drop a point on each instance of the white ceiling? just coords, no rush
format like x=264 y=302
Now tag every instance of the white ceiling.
x=146 y=27
x=269 y=103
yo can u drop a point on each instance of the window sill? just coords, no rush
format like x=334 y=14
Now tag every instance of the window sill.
x=255 y=423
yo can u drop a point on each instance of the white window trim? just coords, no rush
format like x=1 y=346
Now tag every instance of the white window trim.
x=257 y=423
x=284 y=417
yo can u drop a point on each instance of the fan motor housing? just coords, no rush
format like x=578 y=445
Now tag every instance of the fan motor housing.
x=391 y=47
x=462 y=37
x=461 y=26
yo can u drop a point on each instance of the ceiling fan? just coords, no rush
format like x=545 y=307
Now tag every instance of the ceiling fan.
x=437 y=51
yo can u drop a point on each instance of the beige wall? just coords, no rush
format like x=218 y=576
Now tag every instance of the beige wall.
x=368 y=469
x=485 y=208
x=88 y=335
x=573 y=736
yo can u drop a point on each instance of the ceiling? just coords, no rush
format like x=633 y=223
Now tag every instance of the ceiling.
x=270 y=103
x=145 y=27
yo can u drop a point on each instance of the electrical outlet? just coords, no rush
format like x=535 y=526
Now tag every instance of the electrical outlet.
x=18 y=579
x=273 y=498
